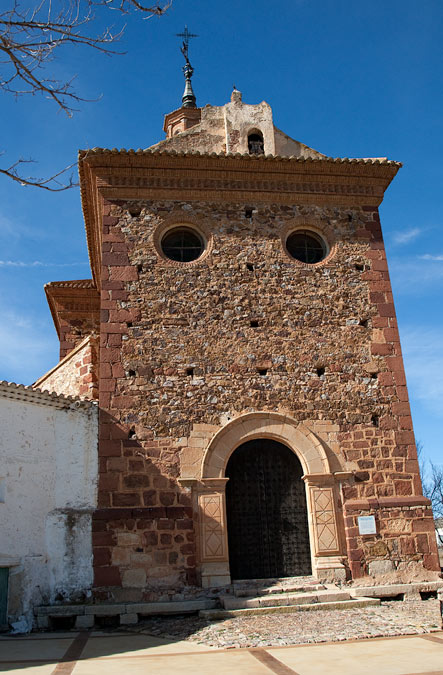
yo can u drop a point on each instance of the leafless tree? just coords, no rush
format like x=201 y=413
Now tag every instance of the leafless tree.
x=34 y=32
x=432 y=482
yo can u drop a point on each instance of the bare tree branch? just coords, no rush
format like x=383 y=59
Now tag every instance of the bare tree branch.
x=32 y=35
x=432 y=481
x=53 y=183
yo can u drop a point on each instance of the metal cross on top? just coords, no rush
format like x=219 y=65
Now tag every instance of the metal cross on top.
x=186 y=35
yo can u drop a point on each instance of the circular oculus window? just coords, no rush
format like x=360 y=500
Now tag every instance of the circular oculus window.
x=182 y=244
x=306 y=246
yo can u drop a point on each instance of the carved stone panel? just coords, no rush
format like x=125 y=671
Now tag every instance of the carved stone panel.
x=213 y=540
x=323 y=516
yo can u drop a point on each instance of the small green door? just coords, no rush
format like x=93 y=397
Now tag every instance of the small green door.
x=4 y=574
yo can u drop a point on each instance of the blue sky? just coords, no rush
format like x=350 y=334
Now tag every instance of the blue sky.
x=347 y=78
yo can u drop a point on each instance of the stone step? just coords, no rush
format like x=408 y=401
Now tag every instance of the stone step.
x=283 y=599
x=256 y=587
x=253 y=591
x=218 y=614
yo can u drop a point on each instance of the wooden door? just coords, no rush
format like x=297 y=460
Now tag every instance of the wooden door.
x=266 y=512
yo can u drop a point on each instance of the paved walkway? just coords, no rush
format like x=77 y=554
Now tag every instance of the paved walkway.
x=94 y=653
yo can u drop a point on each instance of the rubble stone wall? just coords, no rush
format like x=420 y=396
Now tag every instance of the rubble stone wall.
x=178 y=349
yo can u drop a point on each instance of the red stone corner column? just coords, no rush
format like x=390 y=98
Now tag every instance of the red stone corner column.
x=405 y=534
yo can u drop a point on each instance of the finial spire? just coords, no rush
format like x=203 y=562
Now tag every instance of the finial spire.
x=188 y=98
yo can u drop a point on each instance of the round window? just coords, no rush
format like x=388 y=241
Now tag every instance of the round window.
x=182 y=244
x=306 y=246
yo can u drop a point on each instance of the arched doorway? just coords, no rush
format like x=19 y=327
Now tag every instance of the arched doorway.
x=266 y=512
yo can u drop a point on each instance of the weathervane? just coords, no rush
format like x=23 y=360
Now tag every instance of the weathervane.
x=188 y=99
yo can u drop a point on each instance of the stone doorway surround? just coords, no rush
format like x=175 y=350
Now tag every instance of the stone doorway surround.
x=326 y=528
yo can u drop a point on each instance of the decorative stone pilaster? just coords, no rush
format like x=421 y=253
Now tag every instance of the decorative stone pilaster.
x=210 y=506
x=325 y=527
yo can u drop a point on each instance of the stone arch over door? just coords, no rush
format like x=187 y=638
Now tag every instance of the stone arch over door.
x=325 y=524
x=276 y=426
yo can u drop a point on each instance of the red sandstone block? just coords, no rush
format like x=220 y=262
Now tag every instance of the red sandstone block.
x=407 y=546
x=400 y=378
x=401 y=408
x=167 y=498
x=405 y=438
x=356 y=554
x=379 y=265
x=102 y=538
x=119 y=295
x=109 y=355
x=109 y=448
x=431 y=561
x=151 y=538
x=362 y=233
x=150 y=498
x=405 y=422
x=388 y=422
x=110 y=221
x=107 y=576
x=113 y=328
x=377 y=298
x=386 y=309
x=107 y=385
x=120 y=246
x=109 y=481
x=380 y=321
x=125 y=499
x=115 y=259
x=402 y=394
x=422 y=543
x=423 y=525
x=381 y=349
x=113 y=236
x=402 y=487
x=165 y=524
x=185 y=524
x=126 y=273
x=104 y=431
x=114 y=339
x=118 y=432
x=105 y=399
x=113 y=286
x=117 y=370
x=120 y=402
x=102 y=556
x=103 y=499
x=187 y=549
x=394 y=363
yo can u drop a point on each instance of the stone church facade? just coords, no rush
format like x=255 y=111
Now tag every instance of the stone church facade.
x=240 y=332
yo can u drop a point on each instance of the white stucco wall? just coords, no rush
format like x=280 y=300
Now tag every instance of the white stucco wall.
x=48 y=473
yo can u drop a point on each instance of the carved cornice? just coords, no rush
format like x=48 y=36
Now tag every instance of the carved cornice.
x=112 y=175
x=76 y=299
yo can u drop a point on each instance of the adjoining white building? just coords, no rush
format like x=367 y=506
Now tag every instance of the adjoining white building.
x=48 y=484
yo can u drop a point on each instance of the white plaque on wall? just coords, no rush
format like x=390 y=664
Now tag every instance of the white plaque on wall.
x=366 y=525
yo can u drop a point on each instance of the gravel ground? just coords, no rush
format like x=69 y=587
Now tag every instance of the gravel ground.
x=390 y=618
